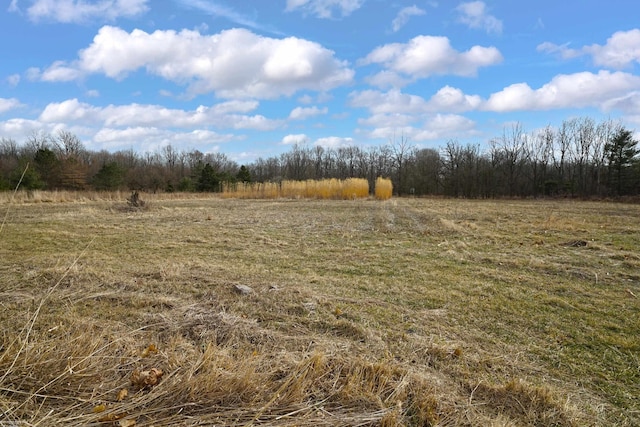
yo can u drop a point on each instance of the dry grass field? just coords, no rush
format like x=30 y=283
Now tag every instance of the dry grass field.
x=405 y=312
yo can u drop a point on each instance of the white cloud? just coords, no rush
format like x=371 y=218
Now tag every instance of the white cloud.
x=451 y=99
x=58 y=72
x=305 y=99
x=561 y=50
x=152 y=139
x=424 y=56
x=391 y=102
x=433 y=127
x=577 y=90
x=621 y=50
x=7 y=104
x=387 y=79
x=628 y=104
x=394 y=102
x=443 y=126
x=395 y=112
x=80 y=11
x=474 y=14
x=294 y=139
x=223 y=116
x=219 y=10
x=404 y=15
x=13 y=79
x=325 y=8
x=388 y=120
x=333 y=142
x=302 y=113
x=233 y=64
x=17 y=128
x=237 y=106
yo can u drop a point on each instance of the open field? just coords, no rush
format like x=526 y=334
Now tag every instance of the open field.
x=422 y=312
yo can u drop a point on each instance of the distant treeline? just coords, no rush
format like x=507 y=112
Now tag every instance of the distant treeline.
x=580 y=158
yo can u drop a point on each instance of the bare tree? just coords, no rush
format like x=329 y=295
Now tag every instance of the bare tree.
x=541 y=149
x=510 y=152
x=67 y=144
x=452 y=158
x=401 y=151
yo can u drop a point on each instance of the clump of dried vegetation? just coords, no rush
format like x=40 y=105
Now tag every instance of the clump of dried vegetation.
x=384 y=188
x=409 y=312
x=341 y=189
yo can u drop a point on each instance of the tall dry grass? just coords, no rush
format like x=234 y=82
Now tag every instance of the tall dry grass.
x=348 y=189
x=384 y=188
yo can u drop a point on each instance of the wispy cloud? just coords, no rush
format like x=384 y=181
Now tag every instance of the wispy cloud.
x=403 y=16
x=217 y=10
x=621 y=50
x=325 y=8
x=475 y=15
x=79 y=11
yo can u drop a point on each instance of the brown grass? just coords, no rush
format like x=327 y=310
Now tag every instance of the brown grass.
x=406 y=312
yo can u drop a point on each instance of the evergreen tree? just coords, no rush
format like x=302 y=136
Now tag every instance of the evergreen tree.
x=47 y=165
x=186 y=185
x=621 y=152
x=208 y=180
x=109 y=177
x=243 y=174
x=27 y=177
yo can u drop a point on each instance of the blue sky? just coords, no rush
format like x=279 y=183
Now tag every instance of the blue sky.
x=249 y=78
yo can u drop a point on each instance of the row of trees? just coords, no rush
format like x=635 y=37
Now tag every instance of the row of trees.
x=580 y=158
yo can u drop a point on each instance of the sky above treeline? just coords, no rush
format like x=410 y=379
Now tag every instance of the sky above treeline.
x=251 y=78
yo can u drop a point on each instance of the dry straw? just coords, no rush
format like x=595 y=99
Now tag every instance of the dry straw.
x=384 y=188
x=347 y=189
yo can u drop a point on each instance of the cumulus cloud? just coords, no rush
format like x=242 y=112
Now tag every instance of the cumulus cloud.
x=80 y=11
x=474 y=14
x=621 y=50
x=233 y=64
x=451 y=99
x=333 y=142
x=7 y=104
x=424 y=56
x=302 y=113
x=419 y=119
x=442 y=126
x=325 y=8
x=393 y=101
x=152 y=139
x=294 y=139
x=387 y=79
x=447 y=100
x=433 y=127
x=226 y=115
x=404 y=15
x=577 y=90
